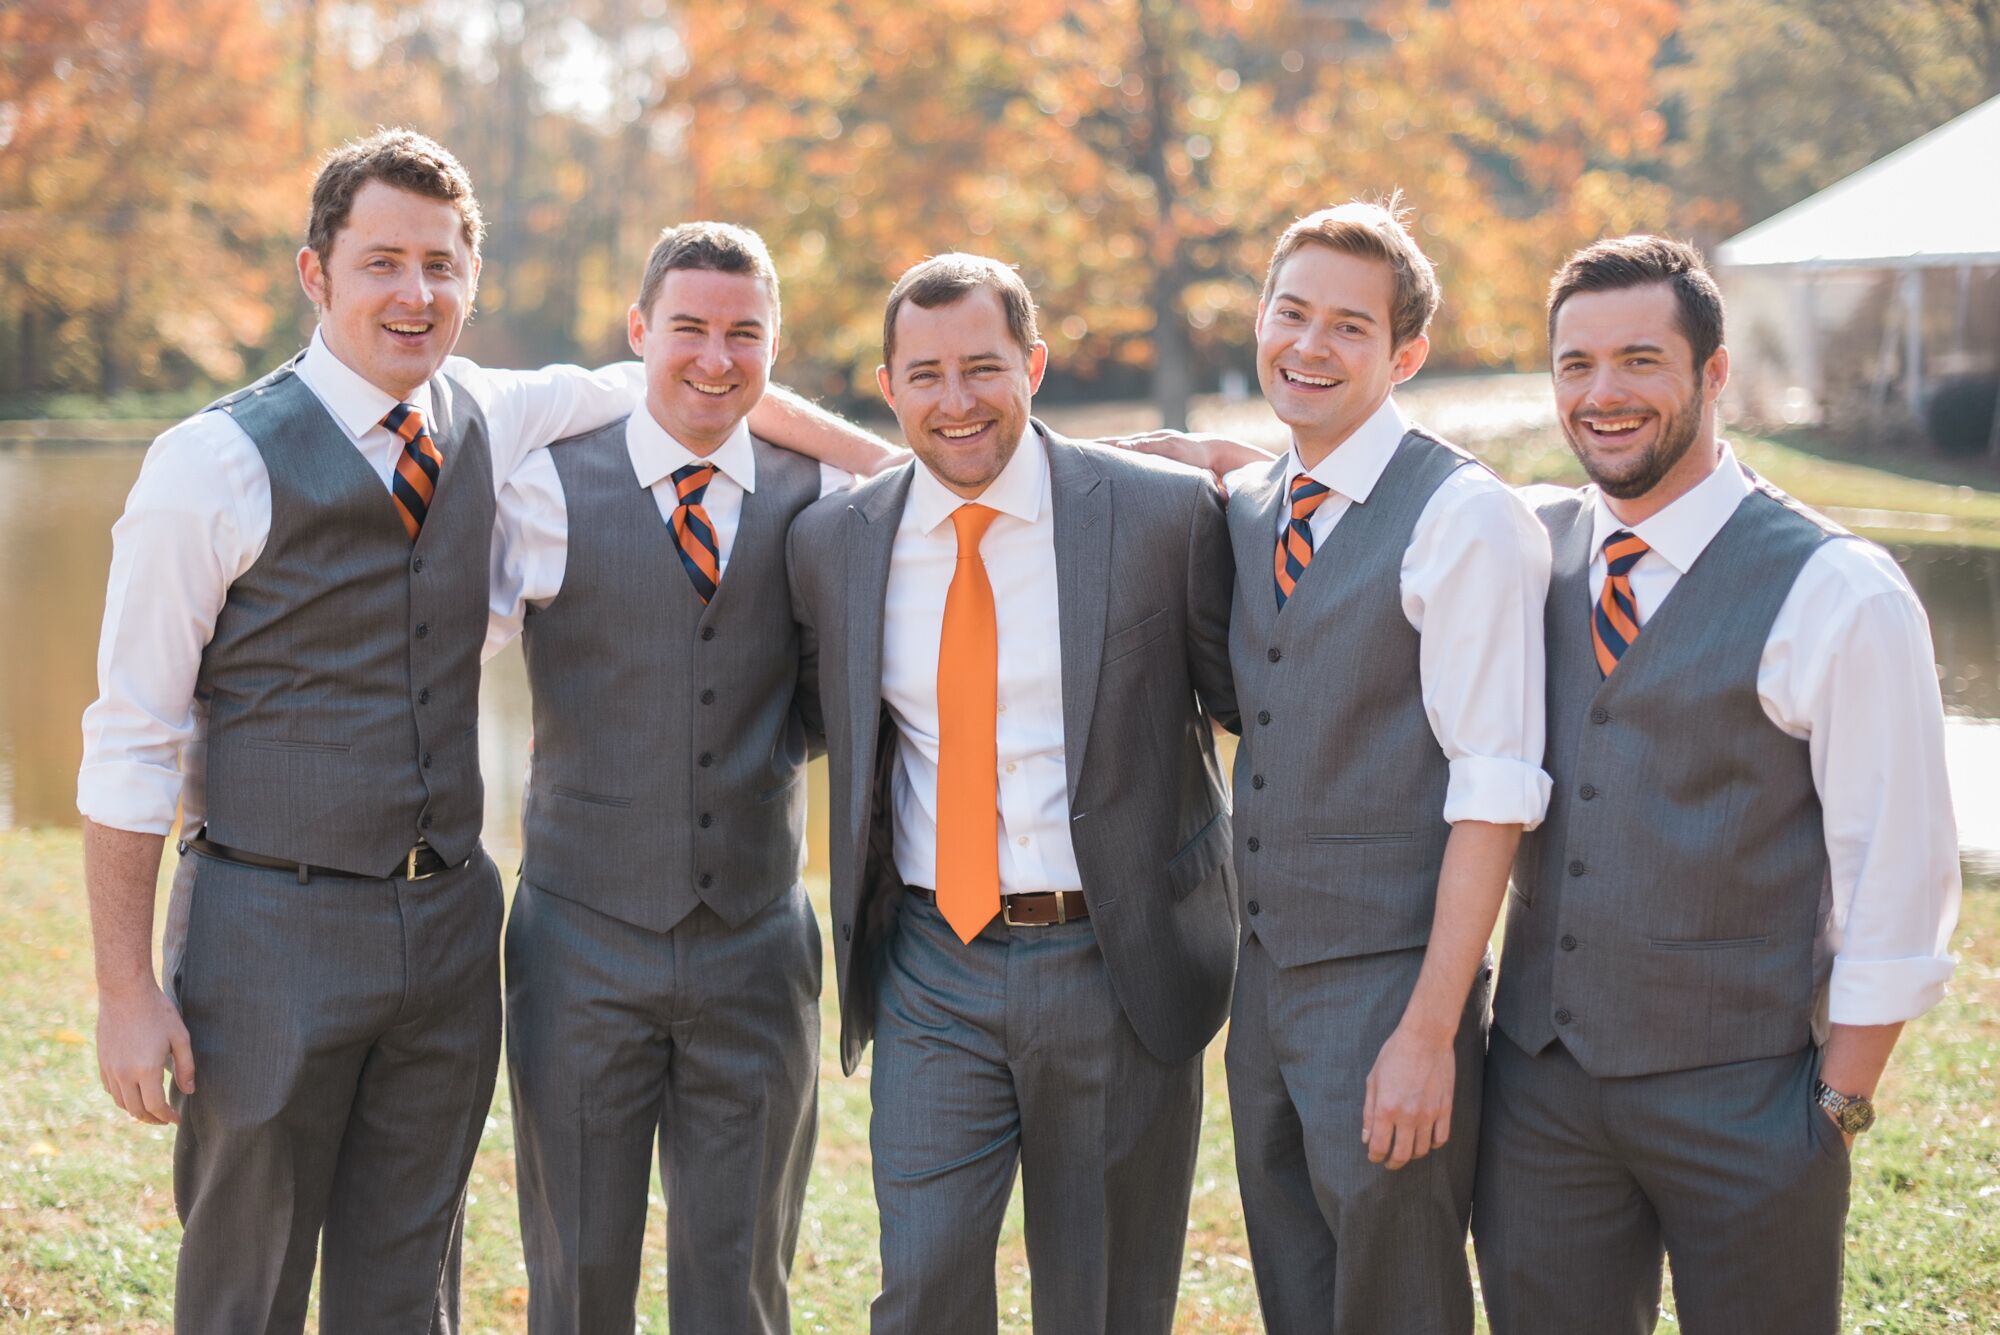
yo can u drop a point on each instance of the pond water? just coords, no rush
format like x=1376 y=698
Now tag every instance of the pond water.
x=56 y=510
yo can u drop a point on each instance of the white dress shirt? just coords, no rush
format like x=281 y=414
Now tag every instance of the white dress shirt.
x=1019 y=552
x=1848 y=668
x=533 y=553
x=1475 y=579
x=198 y=518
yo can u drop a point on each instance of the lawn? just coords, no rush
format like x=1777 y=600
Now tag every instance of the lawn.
x=88 y=1233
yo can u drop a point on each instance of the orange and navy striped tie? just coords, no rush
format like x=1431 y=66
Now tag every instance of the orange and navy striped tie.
x=694 y=532
x=1615 y=624
x=413 y=484
x=1295 y=544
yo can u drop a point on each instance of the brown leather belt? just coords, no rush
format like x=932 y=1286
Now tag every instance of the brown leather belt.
x=1043 y=908
x=420 y=864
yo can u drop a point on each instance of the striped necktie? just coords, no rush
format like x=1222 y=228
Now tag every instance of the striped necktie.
x=414 y=482
x=1295 y=544
x=1615 y=623
x=694 y=533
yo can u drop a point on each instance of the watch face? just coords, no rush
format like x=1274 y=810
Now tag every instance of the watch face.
x=1856 y=1117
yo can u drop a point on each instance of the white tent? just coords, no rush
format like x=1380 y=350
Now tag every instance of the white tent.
x=1932 y=204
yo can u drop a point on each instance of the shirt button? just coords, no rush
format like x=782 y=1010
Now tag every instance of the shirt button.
x=1002 y=708
x=1254 y=908
x=708 y=697
x=423 y=629
x=1022 y=841
x=1256 y=781
x=706 y=820
x=1273 y=654
x=1575 y=868
x=424 y=696
x=1264 y=717
x=708 y=632
x=706 y=760
x=1563 y=1017
x=1568 y=942
x=1600 y=715
x=1587 y=792
x=1011 y=767
x=706 y=880
x=1252 y=843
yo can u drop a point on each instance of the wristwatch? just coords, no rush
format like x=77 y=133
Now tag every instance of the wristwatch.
x=1852 y=1113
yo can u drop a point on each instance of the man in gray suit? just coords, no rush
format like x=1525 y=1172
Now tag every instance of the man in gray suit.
x=1748 y=876
x=1035 y=914
x=663 y=964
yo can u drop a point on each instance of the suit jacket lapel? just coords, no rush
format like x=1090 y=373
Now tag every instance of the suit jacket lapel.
x=1081 y=498
x=872 y=523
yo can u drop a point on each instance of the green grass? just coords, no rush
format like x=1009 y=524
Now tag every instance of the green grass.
x=88 y=1232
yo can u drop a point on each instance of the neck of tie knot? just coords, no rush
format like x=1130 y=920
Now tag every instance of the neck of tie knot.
x=1307 y=496
x=972 y=521
x=1622 y=551
x=691 y=482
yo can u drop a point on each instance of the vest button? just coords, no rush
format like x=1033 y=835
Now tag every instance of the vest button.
x=706 y=881
x=427 y=760
x=706 y=820
x=1256 y=781
x=708 y=632
x=1264 y=717
x=1587 y=792
x=1568 y=942
x=423 y=629
x=1575 y=868
x=847 y=931
x=424 y=696
x=1273 y=654
x=1254 y=908
x=708 y=697
x=1600 y=715
x=706 y=760
x=1252 y=844
x=417 y=564
x=426 y=821
x=1563 y=1017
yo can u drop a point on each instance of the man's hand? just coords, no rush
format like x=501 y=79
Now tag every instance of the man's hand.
x=1220 y=455
x=139 y=1033
x=1407 y=1112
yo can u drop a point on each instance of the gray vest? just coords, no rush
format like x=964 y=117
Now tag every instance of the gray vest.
x=1340 y=784
x=1665 y=914
x=342 y=681
x=669 y=762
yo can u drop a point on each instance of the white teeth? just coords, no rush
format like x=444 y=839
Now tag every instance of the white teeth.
x=960 y=432
x=408 y=328
x=1614 y=425
x=707 y=388
x=1301 y=378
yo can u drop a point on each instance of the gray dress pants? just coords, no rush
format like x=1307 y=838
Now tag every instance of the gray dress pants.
x=1585 y=1183
x=346 y=1034
x=1013 y=1051
x=704 y=1039
x=1339 y=1244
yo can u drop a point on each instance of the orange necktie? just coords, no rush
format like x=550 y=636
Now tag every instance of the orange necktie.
x=968 y=857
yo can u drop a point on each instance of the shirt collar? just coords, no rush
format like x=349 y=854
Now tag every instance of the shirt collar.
x=1353 y=467
x=1018 y=491
x=656 y=454
x=354 y=402
x=1683 y=530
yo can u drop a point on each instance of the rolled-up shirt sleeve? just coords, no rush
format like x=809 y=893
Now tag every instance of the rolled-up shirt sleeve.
x=1474 y=581
x=1850 y=666
x=526 y=410
x=194 y=522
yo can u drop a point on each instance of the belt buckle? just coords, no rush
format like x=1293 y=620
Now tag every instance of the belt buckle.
x=1062 y=911
x=410 y=865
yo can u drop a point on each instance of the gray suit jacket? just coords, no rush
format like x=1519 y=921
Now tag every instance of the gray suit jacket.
x=1142 y=552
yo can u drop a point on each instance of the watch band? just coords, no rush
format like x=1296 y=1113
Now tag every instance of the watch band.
x=1852 y=1113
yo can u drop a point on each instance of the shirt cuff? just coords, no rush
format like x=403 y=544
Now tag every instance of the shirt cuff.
x=1503 y=792
x=125 y=795
x=1886 y=991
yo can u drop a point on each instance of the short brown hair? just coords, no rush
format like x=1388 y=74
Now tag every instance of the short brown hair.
x=1640 y=261
x=943 y=279
x=402 y=158
x=717 y=247
x=1372 y=230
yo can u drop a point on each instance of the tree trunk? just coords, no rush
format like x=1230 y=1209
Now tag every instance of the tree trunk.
x=110 y=371
x=1173 y=370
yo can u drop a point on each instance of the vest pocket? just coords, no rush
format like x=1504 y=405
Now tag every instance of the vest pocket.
x=1386 y=837
x=309 y=748
x=1728 y=943
x=594 y=799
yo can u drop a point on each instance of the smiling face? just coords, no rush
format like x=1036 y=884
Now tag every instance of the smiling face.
x=961 y=387
x=1630 y=397
x=708 y=344
x=394 y=287
x=1325 y=354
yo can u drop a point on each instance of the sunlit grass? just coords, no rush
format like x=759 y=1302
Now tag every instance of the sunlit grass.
x=88 y=1233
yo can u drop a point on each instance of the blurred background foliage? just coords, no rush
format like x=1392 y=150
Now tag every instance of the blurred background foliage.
x=1135 y=157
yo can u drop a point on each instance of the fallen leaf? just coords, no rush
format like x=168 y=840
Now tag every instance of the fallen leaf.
x=69 y=1036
